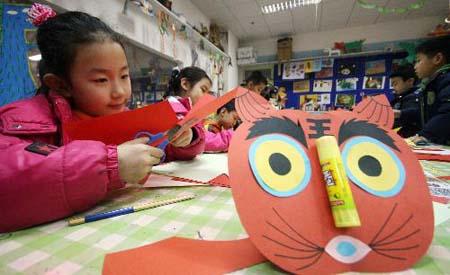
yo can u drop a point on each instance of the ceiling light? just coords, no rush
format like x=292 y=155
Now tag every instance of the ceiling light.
x=287 y=5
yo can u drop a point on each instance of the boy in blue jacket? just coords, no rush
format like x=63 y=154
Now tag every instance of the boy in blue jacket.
x=406 y=102
x=433 y=68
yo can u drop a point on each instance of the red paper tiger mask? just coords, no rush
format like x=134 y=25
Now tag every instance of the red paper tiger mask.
x=280 y=194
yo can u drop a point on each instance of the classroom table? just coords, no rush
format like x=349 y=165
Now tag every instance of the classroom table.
x=56 y=248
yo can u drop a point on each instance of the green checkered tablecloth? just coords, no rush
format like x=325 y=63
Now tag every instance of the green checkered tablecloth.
x=56 y=248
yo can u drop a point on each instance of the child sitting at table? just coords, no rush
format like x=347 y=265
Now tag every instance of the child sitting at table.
x=433 y=68
x=256 y=82
x=44 y=175
x=220 y=128
x=186 y=87
x=405 y=103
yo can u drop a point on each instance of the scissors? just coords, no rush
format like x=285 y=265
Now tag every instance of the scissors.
x=158 y=140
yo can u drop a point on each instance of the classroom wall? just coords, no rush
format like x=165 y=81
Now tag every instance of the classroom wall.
x=233 y=70
x=375 y=35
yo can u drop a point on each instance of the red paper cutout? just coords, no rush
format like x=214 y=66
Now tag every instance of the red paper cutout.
x=184 y=256
x=376 y=109
x=221 y=180
x=122 y=127
x=295 y=232
x=205 y=106
x=435 y=157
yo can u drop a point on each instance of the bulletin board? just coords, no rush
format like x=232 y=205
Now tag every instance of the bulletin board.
x=343 y=92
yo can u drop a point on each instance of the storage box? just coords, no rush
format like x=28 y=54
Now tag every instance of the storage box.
x=245 y=53
x=284 y=49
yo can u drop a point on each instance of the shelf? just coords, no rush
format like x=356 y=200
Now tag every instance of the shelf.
x=346 y=55
x=158 y=6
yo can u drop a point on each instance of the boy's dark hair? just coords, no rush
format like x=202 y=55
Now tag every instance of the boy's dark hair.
x=256 y=77
x=405 y=72
x=59 y=37
x=192 y=74
x=433 y=46
x=229 y=106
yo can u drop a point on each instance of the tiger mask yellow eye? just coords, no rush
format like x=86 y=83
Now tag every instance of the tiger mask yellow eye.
x=279 y=164
x=373 y=166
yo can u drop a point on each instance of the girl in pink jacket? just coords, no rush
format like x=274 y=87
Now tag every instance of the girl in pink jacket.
x=84 y=73
x=220 y=128
x=186 y=87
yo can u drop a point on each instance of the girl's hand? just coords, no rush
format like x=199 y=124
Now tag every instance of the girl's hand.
x=183 y=139
x=136 y=159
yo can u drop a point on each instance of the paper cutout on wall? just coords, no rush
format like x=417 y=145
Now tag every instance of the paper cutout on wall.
x=375 y=67
x=373 y=82
x=301 y=86
x=184 y=256
x=324 y=73
x=346 y=84
x=294 y=70
x=322 y=85
x=296 y=232
x=347 y=69
x=344 y=100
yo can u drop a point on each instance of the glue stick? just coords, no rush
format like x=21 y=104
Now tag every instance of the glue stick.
x=342 y=205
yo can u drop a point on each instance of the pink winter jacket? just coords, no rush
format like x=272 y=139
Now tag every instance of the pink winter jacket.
x=35 y=188
x=218 y=142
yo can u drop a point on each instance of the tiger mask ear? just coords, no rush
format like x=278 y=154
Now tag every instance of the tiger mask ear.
x=377 y=110
x=250 y=106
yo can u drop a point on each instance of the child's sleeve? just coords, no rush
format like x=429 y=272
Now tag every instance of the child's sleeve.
x=437 y=129
x=218 y=142
x=35 y=189
x=197 y=146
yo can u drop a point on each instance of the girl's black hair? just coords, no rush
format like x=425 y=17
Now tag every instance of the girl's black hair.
x=229 y=106
x=256 y=77
x=191 y=74
x=59 y=38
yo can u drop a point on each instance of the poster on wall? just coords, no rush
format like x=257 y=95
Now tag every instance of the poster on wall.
x=373 y=82
x=294 y=70
x=324 y=73
x=309 y=102
x=313 y=66
x=347 y=69
x=322 y=85
x=327 y=63
x=324 y=99
x=375 y=67
x=345 y=100
x=346 y=84
x=301 y=86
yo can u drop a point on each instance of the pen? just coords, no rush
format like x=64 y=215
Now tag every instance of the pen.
x=126 y=210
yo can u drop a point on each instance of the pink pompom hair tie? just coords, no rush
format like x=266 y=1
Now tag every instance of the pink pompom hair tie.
x=39 y=13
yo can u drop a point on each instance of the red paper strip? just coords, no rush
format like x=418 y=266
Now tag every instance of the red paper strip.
x=184 y=256
x=222 y=180
x=444 y=158
x=121 y=127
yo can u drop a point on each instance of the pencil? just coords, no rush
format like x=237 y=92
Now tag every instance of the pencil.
x=126 y=210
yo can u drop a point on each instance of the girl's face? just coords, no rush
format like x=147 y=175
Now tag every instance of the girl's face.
x=198 y=90
x=228 y=119
x=100 y=81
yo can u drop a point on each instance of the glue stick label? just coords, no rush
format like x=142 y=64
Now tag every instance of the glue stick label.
x=339 y=194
